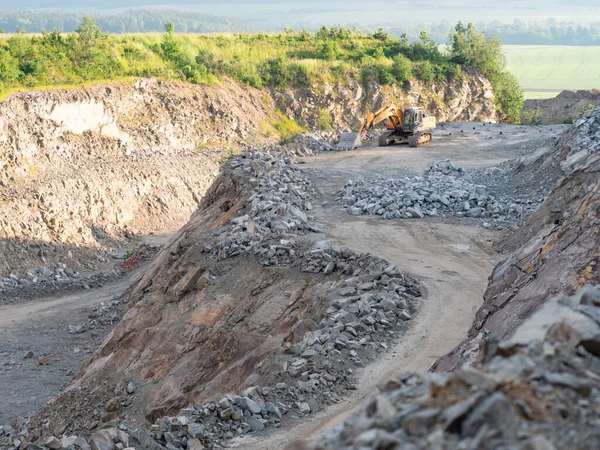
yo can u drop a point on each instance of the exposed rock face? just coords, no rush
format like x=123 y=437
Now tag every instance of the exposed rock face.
x=81 y=167
x=465 y=99
x=560 y=242
x=537 y=390
x=567 y=106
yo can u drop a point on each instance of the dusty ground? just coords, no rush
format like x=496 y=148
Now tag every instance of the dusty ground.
x=453 y=259
x=42 y=327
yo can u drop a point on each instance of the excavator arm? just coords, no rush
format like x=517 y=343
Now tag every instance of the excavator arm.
x=393 y=114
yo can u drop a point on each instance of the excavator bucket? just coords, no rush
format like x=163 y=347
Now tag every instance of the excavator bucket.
x=349 y=141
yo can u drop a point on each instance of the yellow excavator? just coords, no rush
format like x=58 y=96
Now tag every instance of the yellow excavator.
x=410 y=124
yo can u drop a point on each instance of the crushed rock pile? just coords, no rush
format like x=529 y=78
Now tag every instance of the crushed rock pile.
x=369 y=303
x=443 y=190
x=308 y=144
x=539 y=389
x=59 y=277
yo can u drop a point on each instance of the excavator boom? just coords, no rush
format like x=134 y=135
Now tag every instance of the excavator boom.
x=391 y=113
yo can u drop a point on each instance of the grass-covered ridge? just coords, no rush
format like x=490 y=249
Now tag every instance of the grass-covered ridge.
x=259 y=60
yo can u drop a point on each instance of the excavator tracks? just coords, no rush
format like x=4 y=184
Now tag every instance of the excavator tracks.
x=417 y=140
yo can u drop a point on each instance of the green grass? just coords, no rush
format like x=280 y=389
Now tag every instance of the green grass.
x=543 y=68
x=259 y=60
x=541 y=94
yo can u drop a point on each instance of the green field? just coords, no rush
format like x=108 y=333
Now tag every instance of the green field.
x=545 y=70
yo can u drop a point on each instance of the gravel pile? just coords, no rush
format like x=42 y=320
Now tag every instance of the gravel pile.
x=537 y=390
x=443 y=190
x=48 y=280
x=308 y=144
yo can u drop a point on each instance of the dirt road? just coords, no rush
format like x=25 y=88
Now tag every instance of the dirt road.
x=42 y=329
x=453 y=263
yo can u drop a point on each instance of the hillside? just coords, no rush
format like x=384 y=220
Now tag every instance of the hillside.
x=564 y=108
x=291 y=59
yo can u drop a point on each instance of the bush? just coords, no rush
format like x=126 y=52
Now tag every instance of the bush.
x=328 y=50
x=508 y=96
x=286 y=128
x=401 y=69
x=384 y=76
x=533 y=117
x=425 y=72
x=324 y=121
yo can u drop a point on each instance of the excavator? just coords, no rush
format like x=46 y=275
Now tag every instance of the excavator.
x=410 y=124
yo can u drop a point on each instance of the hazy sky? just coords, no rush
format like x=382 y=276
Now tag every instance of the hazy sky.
x=364 y=12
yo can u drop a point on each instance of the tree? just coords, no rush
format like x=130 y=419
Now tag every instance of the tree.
x=88 y=32
x=169 y=45
x=472 y=48
x=476 y=49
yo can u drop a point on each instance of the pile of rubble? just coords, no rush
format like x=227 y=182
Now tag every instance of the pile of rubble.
x=443 y=190
x=539 y=389
x=51 y=279
x=366 y=311
x=308 y=144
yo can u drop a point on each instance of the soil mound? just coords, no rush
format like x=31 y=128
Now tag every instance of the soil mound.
x=564 y=108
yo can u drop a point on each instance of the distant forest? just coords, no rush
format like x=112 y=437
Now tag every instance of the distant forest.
x=131 y=21
x=550 y=32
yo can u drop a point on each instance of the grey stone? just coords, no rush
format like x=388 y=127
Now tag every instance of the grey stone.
x=195 y=430
x=250 y=405
x=420 y=422
x=101 y=440
x=479 y=379
x=52 y=443
x=255 y=424
x=303 y=407
x=329 y=268
x=495 y=411
x=195 y=444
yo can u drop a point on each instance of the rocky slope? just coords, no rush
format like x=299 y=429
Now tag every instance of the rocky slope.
x=558 y=245
x=246 y=299
x=566 y=106
x=82 y=169
x=537 y=390
x=466 y=99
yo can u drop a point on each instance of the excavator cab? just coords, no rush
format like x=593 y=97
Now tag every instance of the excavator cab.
x=413 y=118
